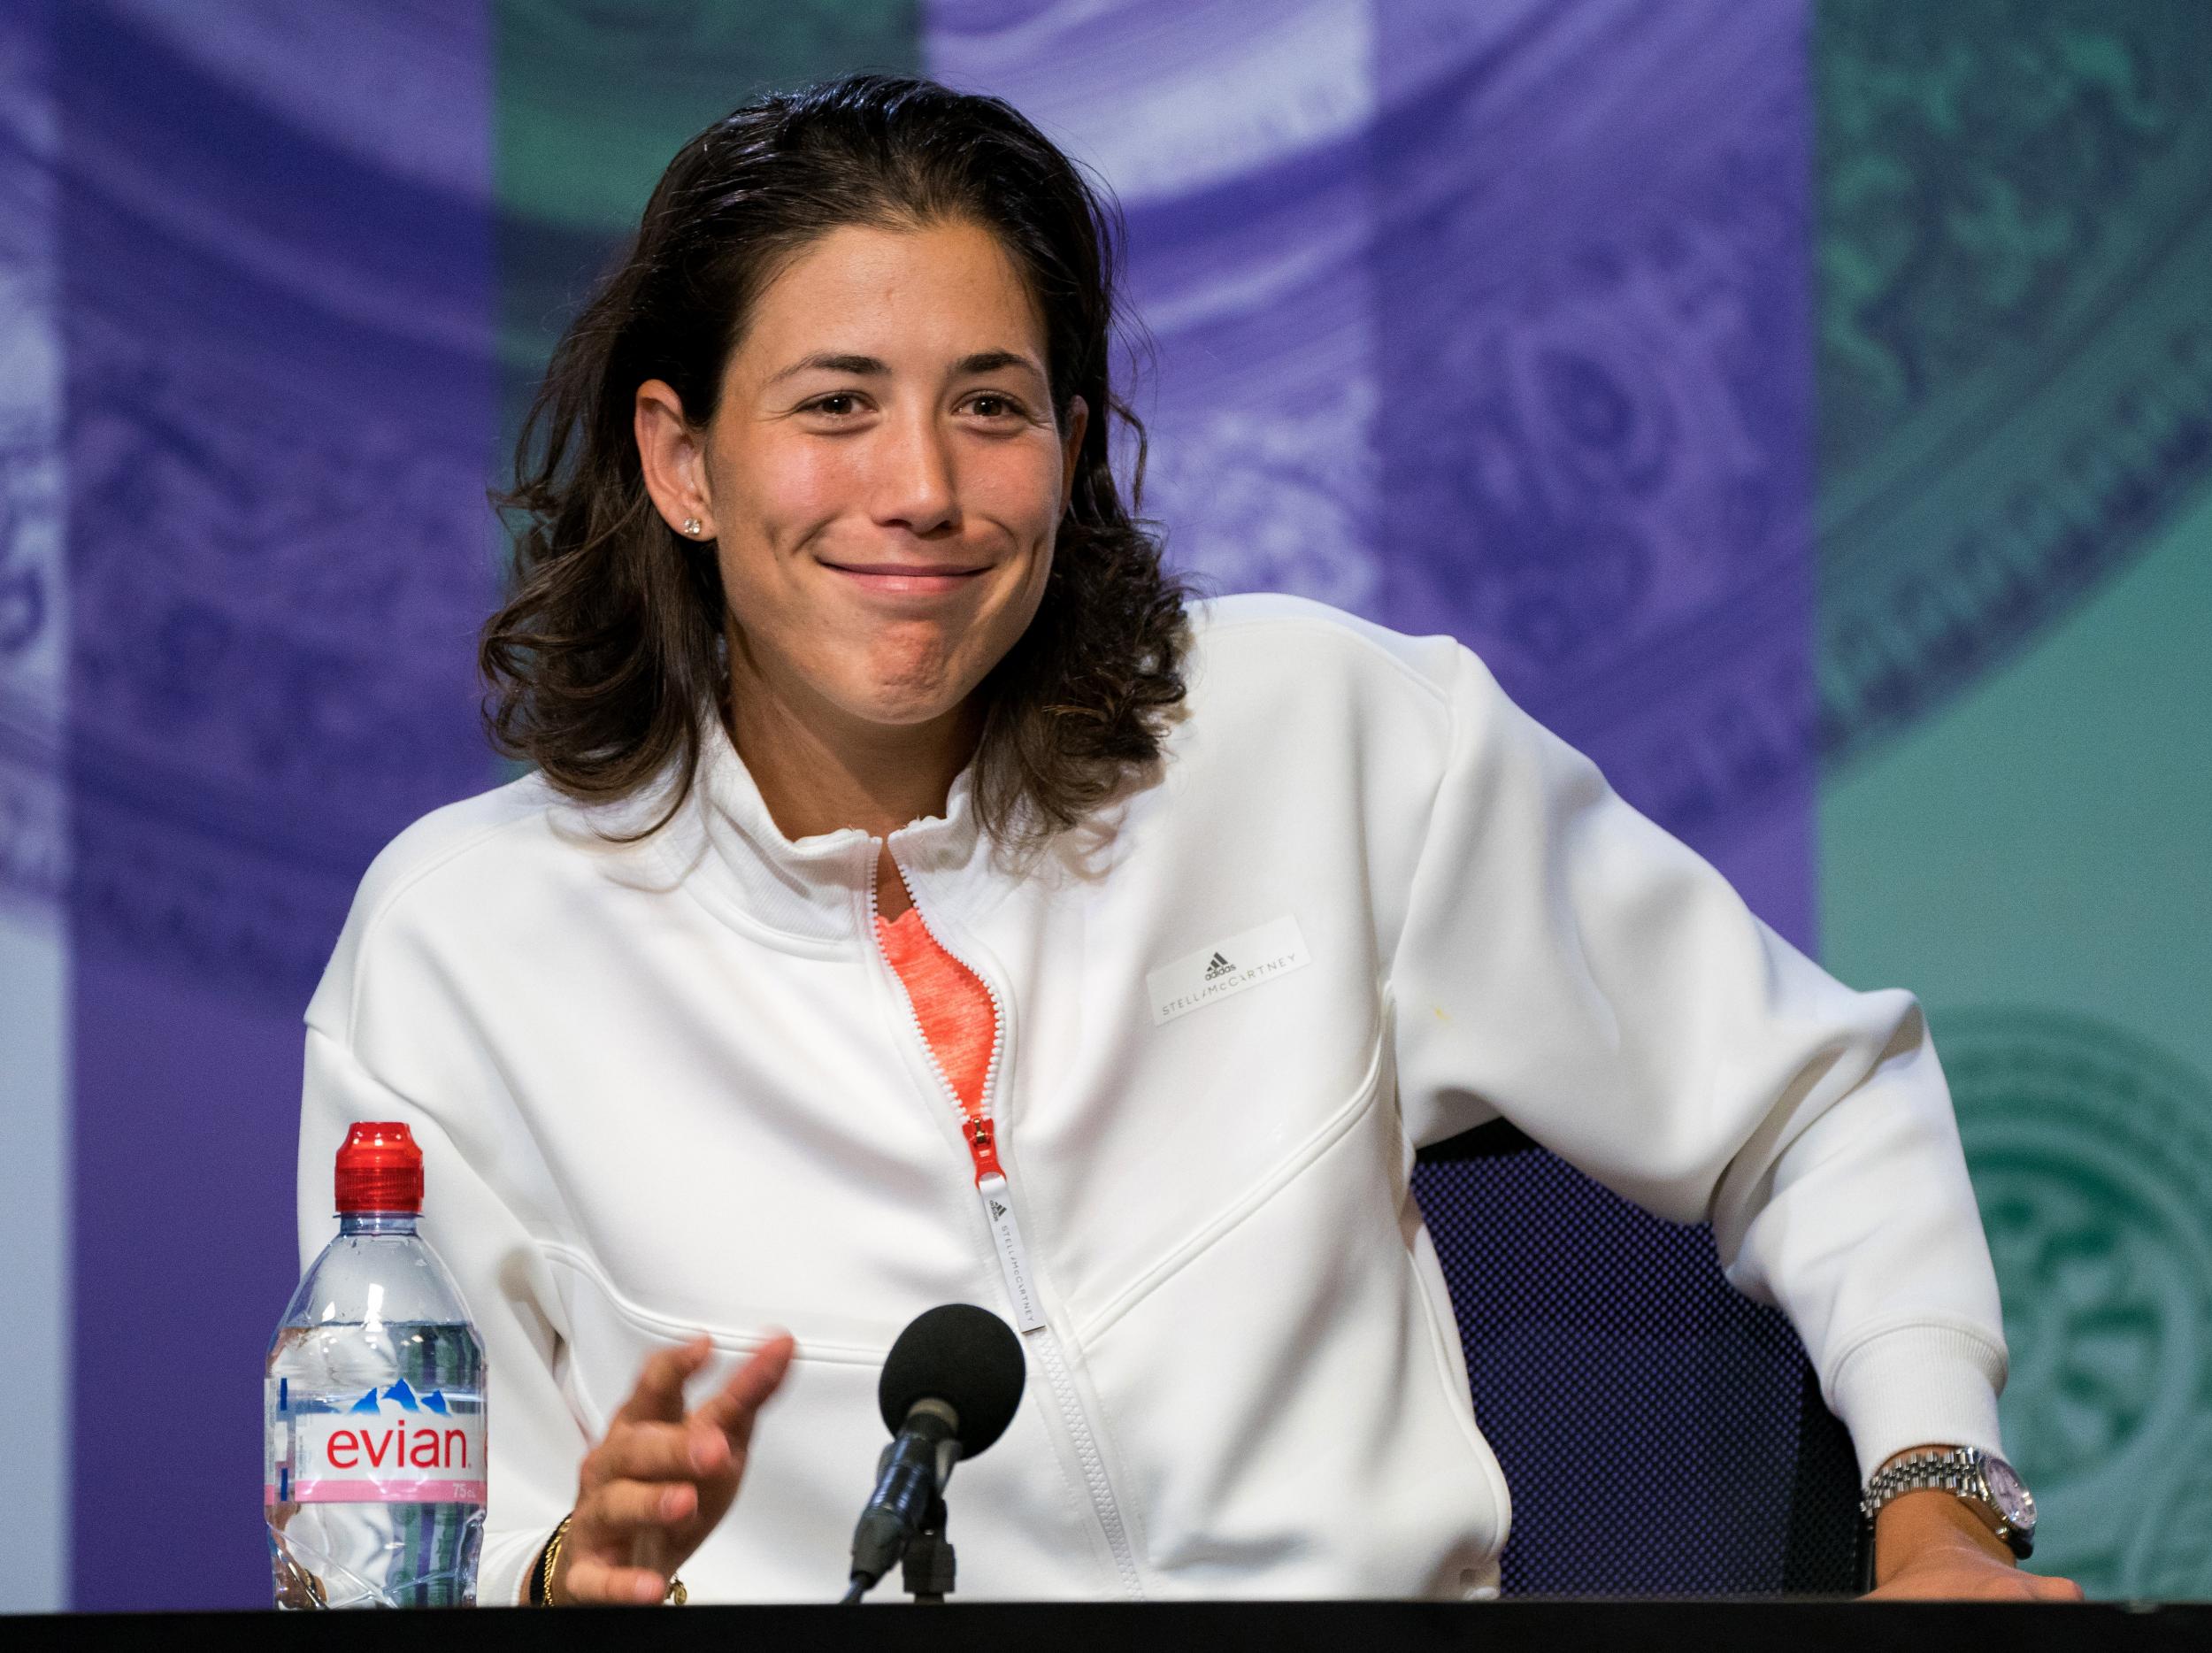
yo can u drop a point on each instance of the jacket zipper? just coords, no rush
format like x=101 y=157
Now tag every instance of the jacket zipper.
x=996 y=1194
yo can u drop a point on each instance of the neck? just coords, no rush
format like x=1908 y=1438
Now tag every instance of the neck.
x=821 y=769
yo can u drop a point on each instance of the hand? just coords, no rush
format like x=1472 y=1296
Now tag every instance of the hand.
x=1930 y=1546
x=648 y=1493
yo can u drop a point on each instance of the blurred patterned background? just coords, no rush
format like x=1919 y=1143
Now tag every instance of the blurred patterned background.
x=1805 y=406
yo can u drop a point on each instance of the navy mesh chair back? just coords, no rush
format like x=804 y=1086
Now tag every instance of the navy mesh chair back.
x=1661 y=1433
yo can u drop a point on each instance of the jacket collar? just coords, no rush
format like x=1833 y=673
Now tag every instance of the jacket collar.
x=816 y=888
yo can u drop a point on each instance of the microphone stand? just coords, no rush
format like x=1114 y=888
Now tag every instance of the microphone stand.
x=927 y=1570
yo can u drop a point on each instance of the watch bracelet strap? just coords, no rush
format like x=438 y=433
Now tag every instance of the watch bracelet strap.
x=1958 y=1472
x=1907 y=1475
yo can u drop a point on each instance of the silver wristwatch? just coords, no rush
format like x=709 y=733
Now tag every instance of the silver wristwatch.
x=1983 y=1480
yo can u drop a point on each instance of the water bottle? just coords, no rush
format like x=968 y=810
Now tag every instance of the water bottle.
x=374 y=1468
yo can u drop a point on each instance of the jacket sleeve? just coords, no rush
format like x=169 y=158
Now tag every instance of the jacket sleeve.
x=1566 y=965
x=534 y=1443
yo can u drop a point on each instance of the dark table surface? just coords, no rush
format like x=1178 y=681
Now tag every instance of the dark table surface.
x=1788 y=1627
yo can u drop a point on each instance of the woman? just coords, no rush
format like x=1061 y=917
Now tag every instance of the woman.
x=916 y=902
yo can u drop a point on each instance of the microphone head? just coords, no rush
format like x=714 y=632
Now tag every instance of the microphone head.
x=961 y=1355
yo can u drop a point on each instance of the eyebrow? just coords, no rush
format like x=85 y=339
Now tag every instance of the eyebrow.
x=867 y=367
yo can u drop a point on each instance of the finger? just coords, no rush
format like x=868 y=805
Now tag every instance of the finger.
x=2057 y=1590
x=731 y=1411
x=628 y=1507
x=656 y=1452
x=659 y=1393
x=588 y=1579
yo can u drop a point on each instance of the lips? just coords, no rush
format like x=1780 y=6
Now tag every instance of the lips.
x=906 y=579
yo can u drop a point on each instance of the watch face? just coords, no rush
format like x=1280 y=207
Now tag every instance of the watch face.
x=2014 y=1501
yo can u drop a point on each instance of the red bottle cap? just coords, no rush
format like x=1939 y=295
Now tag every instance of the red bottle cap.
x=379 y=1169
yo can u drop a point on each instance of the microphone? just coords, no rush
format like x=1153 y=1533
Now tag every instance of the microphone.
x=950 y=1385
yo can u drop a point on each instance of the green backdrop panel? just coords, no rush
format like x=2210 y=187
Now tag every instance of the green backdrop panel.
x=2015 y=516
x=2033 y=863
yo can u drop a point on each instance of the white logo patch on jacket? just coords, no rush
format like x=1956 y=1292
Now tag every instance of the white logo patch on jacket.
x=1213 y=973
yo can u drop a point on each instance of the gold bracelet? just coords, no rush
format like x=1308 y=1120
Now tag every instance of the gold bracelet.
x=549 y=1559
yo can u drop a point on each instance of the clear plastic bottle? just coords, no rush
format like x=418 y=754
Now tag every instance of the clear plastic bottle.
x=374 y=1462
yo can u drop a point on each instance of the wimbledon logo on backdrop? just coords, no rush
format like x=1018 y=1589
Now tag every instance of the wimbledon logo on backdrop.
x=389 y=1447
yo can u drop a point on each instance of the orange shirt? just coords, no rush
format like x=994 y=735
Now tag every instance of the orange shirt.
x=953 y=1007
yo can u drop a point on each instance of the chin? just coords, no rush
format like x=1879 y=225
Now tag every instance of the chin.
x=906 y=692
x=895 y=702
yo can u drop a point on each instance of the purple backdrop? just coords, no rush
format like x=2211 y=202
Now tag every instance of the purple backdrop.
x=1488 y=319
x=278 y=415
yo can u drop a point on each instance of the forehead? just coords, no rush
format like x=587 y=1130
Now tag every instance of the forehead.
x=901 y=295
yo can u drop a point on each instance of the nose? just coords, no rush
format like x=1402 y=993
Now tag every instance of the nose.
x=914 y=487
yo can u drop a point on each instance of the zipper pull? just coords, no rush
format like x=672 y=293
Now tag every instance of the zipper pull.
x=1006 y=1235
x=984 y=1149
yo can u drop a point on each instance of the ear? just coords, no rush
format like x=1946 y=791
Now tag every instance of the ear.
x=1072 y=446
x=674 y=457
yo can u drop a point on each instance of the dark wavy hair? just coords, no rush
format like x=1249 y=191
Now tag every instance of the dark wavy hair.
x=610 y=649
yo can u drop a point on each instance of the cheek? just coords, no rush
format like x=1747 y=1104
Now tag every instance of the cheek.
x=1019 y=485
x=780 y=492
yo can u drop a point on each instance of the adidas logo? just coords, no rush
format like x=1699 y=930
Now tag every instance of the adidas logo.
x=1205 y=976
x=998 y=1211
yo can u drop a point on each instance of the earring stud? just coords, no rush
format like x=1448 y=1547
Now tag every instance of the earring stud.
x=691 y=527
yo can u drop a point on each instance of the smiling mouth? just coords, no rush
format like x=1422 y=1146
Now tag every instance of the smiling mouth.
x=905 y=577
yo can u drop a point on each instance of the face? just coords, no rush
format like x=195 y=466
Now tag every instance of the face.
x=883 y=477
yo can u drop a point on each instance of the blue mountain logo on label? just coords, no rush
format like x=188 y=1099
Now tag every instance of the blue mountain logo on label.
x=399 y=1395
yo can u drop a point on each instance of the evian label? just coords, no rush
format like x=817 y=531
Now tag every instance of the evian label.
x=1213 y=973
x=390 y=1446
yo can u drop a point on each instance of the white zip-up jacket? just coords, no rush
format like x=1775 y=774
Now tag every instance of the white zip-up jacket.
x=673 y=1086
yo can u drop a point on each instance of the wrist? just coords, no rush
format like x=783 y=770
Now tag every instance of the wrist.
x=1917 y=1526
x=1979 y=1482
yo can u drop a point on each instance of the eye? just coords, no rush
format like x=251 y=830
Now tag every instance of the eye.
x=837 y=405
x=991 y=405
